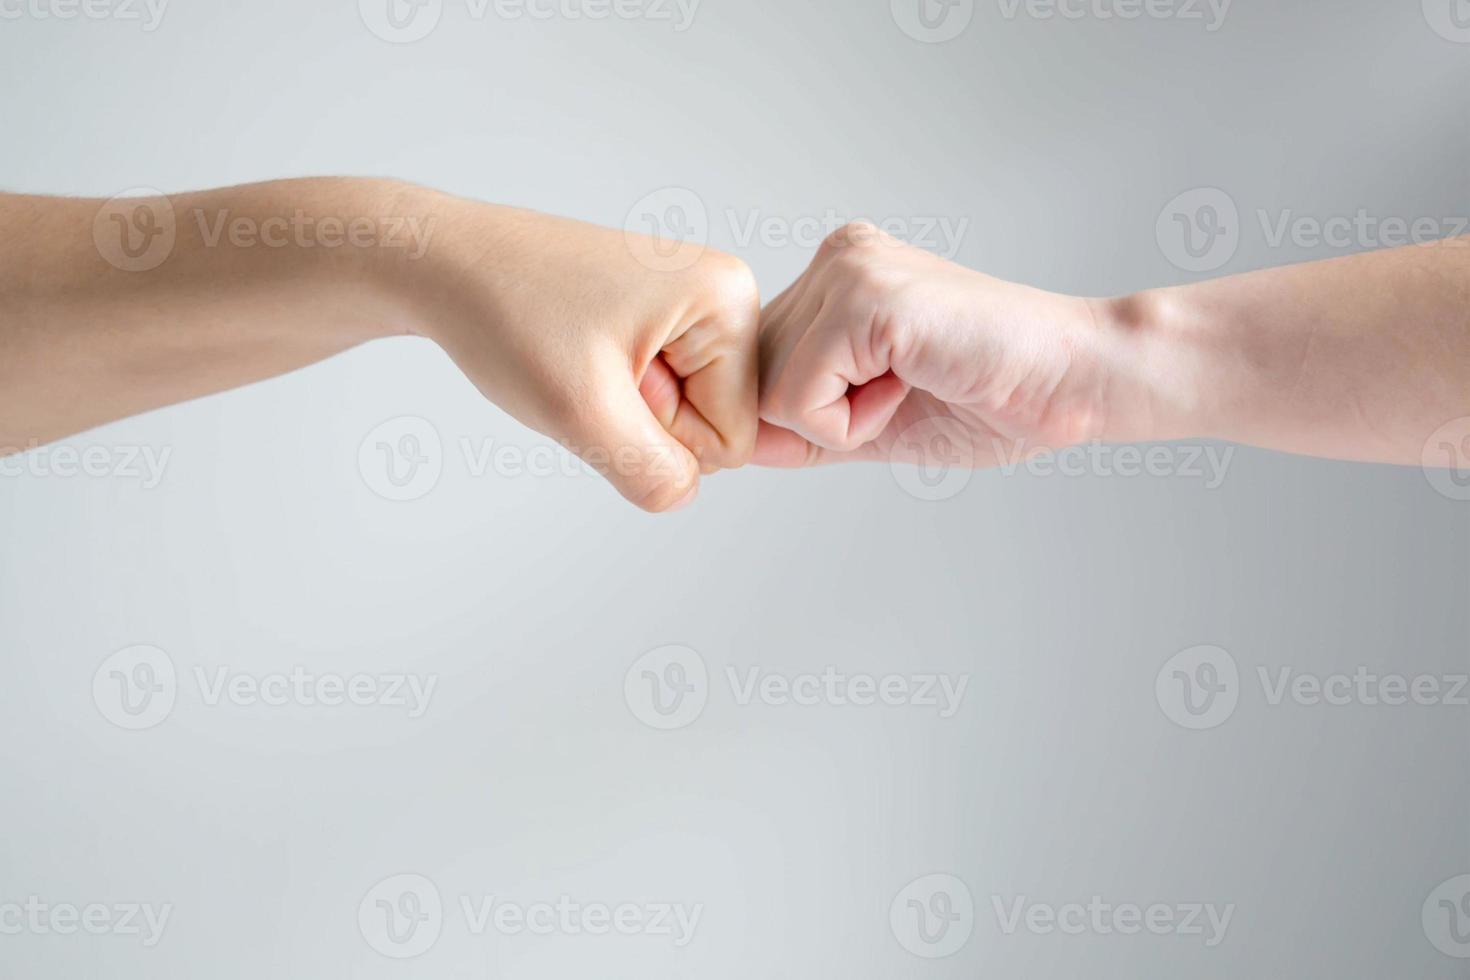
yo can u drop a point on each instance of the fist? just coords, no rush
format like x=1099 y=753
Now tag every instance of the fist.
x=649 y=375
x=877 y=337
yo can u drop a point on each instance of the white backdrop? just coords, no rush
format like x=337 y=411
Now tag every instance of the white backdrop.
x=537 y=774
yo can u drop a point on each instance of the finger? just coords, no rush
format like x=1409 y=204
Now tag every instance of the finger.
x=625 y=441
x=833 y=394
x=780 y=448
x=661 y=390
x=716 y=363
x=871 y=406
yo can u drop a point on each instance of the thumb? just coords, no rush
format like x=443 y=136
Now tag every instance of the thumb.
x=626 y=443
x=780 y=448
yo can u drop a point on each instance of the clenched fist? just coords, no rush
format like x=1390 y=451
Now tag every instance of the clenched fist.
x=879 y=347
x=883 y=351
x=649 y=375
x=645 y=369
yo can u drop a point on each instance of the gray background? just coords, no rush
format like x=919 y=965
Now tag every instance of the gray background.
x=1061 y=598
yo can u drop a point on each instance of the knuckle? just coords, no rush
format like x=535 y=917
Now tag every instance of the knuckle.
x=857 y=242
x=732 y=282
x=737 y=447
x=658 y=496
x=831 y=438
x=853 y=236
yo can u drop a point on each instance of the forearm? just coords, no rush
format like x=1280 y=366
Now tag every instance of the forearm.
x=1359 y=358
x=260 y=280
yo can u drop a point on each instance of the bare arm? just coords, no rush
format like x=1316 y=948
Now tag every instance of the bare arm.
x=1360 y=358
x=107 y=309
x=90 y=333
x=1356 y=358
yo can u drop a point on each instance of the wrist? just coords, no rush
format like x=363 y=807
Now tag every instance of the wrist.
x=1153 y=362
x=386 y=278
x=455 y=281
x=320 y=262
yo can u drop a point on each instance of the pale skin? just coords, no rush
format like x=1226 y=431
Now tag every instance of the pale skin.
x=1360 y=358
x=656 y=370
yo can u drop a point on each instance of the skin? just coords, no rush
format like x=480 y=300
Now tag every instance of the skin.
x=642 y=362
x=880 y=348
x=645 y=358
